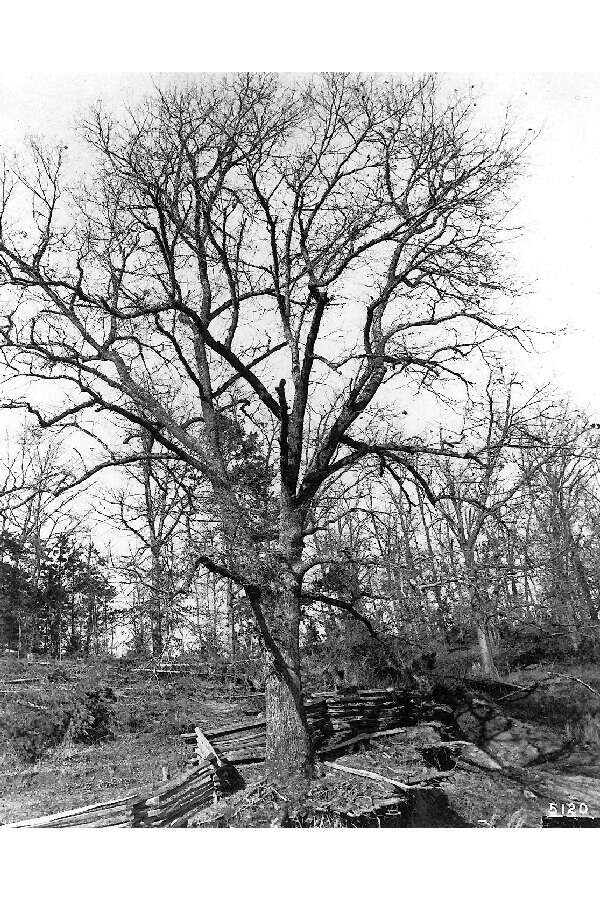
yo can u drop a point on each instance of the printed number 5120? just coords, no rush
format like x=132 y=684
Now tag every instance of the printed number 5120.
x=568 y=809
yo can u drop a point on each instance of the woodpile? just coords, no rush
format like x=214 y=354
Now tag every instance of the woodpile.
x=317 y=715
x=350 y=713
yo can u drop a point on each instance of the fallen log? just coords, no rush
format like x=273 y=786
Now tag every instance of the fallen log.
x=18 y=699
x=20 y=681
x=524 y=691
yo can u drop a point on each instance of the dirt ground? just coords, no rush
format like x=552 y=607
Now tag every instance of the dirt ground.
x=460 y=797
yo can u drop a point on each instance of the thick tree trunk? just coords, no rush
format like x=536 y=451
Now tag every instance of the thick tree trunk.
x=89 y=626
x=288 y=741
x=74 y=642
x=442 y=611
x=584 y=584
x=277 y=609
x=231 y=620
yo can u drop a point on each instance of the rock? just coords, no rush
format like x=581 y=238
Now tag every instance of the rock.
x=479 y=757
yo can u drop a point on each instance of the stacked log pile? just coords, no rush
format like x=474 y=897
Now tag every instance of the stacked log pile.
x=245 y=742
x=169 y=806
x=317 y=715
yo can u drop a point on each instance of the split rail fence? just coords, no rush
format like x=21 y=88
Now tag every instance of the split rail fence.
x=169 y=806
x=335 y=719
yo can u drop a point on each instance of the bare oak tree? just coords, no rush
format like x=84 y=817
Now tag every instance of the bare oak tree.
x=281 y=251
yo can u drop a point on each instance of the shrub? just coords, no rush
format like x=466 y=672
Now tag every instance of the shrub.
x=91 y=719
x=85 y=718
x=31 y=732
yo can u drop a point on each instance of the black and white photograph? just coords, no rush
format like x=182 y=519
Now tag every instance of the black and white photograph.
x=299 y=451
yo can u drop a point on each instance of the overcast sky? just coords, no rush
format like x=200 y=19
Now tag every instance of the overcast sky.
x=560 y=197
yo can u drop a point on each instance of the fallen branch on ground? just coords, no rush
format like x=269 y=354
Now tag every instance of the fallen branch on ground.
x=375 y=776
x=526 y=691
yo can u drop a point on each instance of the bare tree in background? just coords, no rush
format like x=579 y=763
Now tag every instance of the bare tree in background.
x=153 y=508
x=472 y=494
x=563 y=497
x=284 y=251
x=36 y=524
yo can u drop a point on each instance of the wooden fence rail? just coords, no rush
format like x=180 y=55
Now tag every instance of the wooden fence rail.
x=334 y=718
x=169 y=806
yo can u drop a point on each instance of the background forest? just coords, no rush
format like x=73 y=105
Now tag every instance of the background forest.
x=489 y=565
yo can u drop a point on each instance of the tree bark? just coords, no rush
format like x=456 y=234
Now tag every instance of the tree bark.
x=277 y=610
x=486 y=654
x=442 y=613
x=288 y=750
x=478 y=608
x=231 y=620
x=584 y=584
